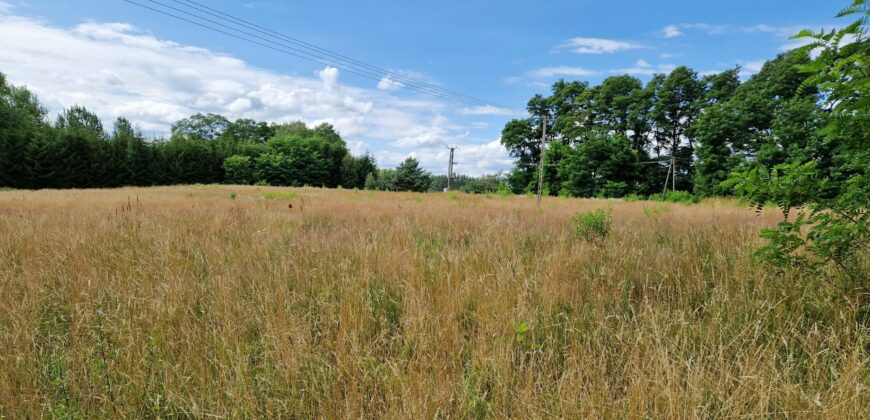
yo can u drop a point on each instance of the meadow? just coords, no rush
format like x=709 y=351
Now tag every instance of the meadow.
x=229 y=302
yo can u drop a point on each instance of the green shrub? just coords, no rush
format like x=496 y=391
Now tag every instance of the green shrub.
x=233 y=195
x=682 y=197
x=592 y=225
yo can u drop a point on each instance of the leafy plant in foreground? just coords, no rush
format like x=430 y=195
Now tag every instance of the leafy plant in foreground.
x=593 y=225
x=830 y=207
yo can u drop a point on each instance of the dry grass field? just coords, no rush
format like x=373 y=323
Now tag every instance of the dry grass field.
x=224 y=302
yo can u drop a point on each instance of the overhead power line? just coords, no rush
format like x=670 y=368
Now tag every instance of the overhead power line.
x=258 y=35
x=278 y=46
x=398 y=77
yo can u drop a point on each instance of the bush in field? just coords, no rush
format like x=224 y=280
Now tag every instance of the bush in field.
x=681 y=197
x=592 y=225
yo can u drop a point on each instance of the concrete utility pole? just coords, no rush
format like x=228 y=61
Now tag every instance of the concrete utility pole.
x=542 y=161
x=450 y=170
x=668 y=176
x=672 y=175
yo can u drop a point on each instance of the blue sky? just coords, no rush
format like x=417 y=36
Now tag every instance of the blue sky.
x=118 y=59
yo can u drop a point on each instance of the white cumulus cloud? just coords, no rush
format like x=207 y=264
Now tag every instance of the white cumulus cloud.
x=643 y=68
x=491 y=110
x=389 y=84
x=582 y=45
x=478 y=159
x=550 y=72
x=115 y=69
x=677 y=30
x=671 y=31
x=748 y=68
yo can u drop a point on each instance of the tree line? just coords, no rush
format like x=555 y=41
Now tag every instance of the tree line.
x=625 y=137
x=76 y=151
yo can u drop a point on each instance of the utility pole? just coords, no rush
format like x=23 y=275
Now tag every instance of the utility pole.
x=672 y=175
x=450 y=169
x=542 y=161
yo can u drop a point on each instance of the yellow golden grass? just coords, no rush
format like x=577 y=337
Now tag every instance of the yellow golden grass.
x=197 y=302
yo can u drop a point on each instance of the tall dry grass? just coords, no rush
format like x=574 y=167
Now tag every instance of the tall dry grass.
x=185 y=302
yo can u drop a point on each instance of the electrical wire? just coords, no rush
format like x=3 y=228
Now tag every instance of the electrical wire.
x=320 y=58
x=394 y=76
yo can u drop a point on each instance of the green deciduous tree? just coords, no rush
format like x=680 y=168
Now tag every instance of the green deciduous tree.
x=604 y=165
x=523 y=142
x=678 y=103
x=612 y=104
x=22 y=122
x=831 y=206
x=238 y=170
x=717 y=132
x=201 y=127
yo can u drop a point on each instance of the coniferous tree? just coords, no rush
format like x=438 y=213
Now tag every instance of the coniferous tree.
x=371 y=181
x=410 y=177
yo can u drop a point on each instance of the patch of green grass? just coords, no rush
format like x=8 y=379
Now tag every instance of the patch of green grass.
x=655 y=210
x=279 y=195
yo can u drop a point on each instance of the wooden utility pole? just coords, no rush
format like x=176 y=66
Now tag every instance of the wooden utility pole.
x=541 y=161
x=450 y=169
